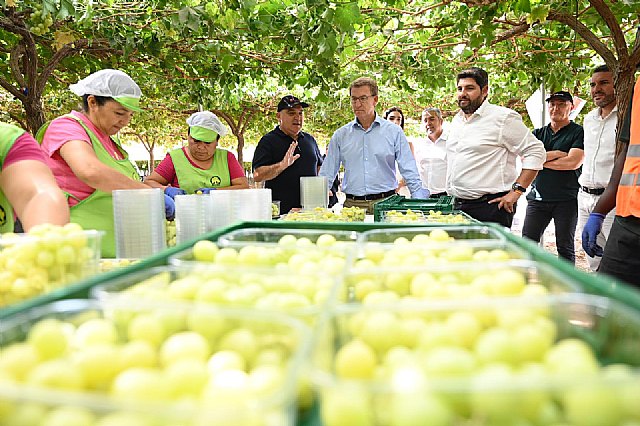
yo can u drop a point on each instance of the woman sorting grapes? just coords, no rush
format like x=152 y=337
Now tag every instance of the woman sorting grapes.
x=85 y=154
x=201 y=166
x=26 y=183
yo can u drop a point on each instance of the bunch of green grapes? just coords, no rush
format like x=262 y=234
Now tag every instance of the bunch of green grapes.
x=171 y=233
x=47 y=258
x=40 y=20
x=439 y=217
x=352 y=214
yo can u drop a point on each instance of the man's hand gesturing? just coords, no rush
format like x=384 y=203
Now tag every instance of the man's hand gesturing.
x=290 y=157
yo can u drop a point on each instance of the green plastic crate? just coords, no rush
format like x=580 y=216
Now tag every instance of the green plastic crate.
x=399 y=202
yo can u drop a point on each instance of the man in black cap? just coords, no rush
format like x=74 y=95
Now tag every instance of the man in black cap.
x=285 y=154
x=554 y=193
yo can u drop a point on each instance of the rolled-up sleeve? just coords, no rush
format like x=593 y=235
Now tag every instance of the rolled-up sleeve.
x=519 y=139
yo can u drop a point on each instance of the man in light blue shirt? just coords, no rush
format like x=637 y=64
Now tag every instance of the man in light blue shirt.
x=369 y=147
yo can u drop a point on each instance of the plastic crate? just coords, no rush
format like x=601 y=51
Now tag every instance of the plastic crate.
x=400 y=203
x=421 y=364
x=225 y=397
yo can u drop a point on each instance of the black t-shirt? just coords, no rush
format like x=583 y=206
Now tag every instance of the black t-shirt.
x=286 y=186
x=558 y=185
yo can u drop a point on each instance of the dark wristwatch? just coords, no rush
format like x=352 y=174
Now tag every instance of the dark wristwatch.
x=516 y=187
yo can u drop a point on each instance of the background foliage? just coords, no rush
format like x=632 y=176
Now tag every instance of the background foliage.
x=238 y=57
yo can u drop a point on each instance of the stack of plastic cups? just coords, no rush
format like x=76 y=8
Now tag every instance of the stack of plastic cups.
x=220 y=209
x=139 y=222
x=191 y=216
x=252 y=204
x=314 y=192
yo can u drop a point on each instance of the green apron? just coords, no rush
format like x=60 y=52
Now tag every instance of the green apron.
x=8 y=136
x=96 y=211
x=192 y=178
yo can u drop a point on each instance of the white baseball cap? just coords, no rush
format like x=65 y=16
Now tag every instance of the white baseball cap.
x=110 y=83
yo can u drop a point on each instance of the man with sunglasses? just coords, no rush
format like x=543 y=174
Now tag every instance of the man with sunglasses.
x=369 y=147
x=199 y=167
x=286 y=154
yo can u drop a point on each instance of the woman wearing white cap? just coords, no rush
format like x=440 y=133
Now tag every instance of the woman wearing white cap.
x=200 y=166
x=26 y=183
x=85 y=154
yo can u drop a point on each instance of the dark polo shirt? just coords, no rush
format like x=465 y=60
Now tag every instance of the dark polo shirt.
x=286 y=186
x=558 y=185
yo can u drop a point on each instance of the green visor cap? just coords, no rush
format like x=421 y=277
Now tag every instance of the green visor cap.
x=203 y=134
x=129 y=103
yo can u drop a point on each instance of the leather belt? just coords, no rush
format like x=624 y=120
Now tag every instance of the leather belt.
x=483 y=199
x=593 y=191
x=371 y=197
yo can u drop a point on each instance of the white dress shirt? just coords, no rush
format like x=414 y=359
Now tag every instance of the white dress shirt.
x=431 y=158
x=482 y=151
x=599 y=148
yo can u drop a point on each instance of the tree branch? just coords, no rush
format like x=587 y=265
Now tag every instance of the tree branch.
x=618 y=37
x=520 y=28
x=11 y=89
x=586 y=34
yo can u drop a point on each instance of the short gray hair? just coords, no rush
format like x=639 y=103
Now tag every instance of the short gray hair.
x=433 y=111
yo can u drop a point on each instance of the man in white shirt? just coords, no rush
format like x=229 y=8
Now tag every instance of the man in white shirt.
x=599 y=149
x=483 y=144
x=431 y=154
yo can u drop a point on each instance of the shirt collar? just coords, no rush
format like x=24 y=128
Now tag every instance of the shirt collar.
x=613 y=111
x=479 y=112
x=378 y=119
x=279 y=130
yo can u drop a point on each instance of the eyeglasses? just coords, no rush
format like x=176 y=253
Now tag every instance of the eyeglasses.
x=361 y=99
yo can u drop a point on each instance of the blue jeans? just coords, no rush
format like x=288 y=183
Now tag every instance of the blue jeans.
x=565 y=218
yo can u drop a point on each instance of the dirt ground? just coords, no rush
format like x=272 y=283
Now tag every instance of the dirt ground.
x=549 y=237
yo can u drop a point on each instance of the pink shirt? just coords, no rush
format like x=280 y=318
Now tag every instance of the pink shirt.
x=168 y=171
x=62 y=130
x=24 y=148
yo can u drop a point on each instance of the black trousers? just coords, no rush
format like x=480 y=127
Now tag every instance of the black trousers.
x=565 y=218
x=481 y=210
x=621 y=257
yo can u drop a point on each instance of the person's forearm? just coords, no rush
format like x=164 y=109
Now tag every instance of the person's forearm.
x=263 y=173
x=565 y=163
x=554 y=155
x=526 y=177
x=240 y=183
x=154 y=184
x=607 y=200
x=106 y=179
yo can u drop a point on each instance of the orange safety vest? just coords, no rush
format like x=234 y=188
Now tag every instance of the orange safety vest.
x=628 y=198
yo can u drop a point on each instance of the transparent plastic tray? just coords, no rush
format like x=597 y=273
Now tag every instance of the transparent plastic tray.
x=303 y=294
x=568 y=359
x=34 y=265
x=452 y=281
x=179 y=387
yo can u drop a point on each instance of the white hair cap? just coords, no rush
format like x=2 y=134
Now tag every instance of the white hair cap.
x=207 y=120
x=110 y=83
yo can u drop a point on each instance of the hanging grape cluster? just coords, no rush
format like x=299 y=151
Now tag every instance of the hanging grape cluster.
x=40 y=20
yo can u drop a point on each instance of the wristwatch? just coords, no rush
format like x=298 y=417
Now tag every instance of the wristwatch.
x=516 y=187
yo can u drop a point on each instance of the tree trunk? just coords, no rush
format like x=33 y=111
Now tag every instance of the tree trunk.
x=623 y=81
x=34 y=113
x=240 y=137
x=152 y=161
